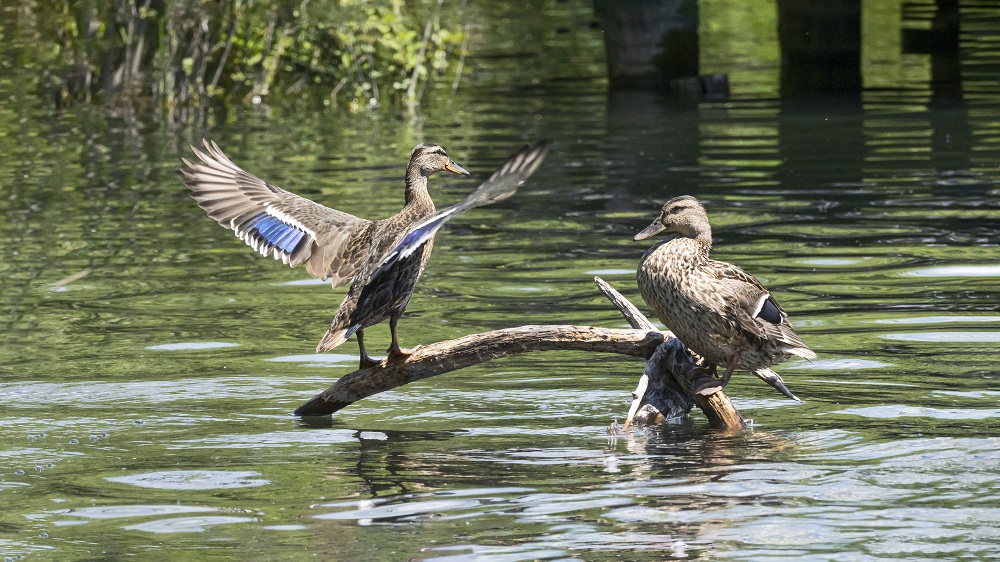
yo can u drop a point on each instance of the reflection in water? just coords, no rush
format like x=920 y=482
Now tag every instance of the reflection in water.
x=190 y=346
x=127 y=511
x=808 y=486
x=186 y=524
x=874 y=217
x=191 y=480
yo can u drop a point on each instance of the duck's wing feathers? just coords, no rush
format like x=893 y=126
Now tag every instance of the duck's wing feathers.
x=757 y=311
x=274 y=221
x=501 y=185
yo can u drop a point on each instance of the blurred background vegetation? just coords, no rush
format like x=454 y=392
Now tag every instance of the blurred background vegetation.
x=184 y=59
x=182 y=54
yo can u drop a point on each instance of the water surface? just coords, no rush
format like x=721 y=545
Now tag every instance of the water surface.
x=150 y=360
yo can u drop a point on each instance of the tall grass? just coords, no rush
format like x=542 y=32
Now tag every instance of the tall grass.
x=184 y=54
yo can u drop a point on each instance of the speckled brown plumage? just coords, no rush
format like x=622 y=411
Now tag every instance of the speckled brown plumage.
x=383 y=288
x=333 y=245
x=383 y=259
x=718 y=310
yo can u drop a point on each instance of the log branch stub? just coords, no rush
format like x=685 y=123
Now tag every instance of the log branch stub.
x=664 y=398
x=632 y=315
x=681 y=364
x=666 y=388
x=443 y=357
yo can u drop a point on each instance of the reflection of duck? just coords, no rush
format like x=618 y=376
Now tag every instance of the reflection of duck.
x=718 y=310
x=384 y=258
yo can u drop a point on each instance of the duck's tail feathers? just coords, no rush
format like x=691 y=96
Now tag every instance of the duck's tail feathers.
x=803 y=352
x=334 y=338
x=772 y=378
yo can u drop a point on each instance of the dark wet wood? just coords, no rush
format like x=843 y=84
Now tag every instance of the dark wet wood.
x=666 y=387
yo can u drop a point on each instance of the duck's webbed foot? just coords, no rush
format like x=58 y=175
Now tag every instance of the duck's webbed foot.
x=709 y=384
x=397 y=353
x=702 y=379
x=733 y=362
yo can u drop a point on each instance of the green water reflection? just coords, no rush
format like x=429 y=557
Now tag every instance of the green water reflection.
x=150 y=360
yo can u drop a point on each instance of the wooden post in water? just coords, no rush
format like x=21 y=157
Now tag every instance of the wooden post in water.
x=648 y=43
x=820 y=45
x=664 y=389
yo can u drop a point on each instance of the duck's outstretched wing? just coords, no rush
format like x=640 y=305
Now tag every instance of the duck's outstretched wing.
x=758 y=312
x=501 y=185
x=274 y=221
x=375 y=290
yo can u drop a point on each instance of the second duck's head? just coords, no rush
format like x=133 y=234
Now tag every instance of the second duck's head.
x=682 y=215
x=430 y=158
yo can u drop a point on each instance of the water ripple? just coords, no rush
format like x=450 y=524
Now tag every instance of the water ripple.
x=95 y=394
x=889 y=411
x=191 y=346
x=957 y=271
x=846 y=364
x=318 y=359
x=275 y=439
x=946 y=337
x=937 y=319
x=125 y=511
x=187 y=524
x=192 y=479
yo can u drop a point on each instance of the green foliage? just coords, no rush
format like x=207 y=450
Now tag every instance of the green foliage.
x=181 y=54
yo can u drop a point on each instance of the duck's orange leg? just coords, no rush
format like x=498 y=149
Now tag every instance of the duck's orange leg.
x=397 y=353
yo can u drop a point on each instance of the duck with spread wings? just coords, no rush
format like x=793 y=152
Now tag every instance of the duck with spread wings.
x=382 y=259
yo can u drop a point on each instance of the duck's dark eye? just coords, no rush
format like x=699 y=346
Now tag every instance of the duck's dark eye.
x=674 y=210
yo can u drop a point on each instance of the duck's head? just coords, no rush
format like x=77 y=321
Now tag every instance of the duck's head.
x=430 y=158
x=682 y=215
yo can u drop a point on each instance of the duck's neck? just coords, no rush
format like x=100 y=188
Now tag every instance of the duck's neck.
x=416 y=189
x=702 y=239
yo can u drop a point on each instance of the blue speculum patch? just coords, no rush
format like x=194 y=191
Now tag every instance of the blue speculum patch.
x=275 y=233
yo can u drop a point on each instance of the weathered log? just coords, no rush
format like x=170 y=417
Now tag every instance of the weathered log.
x=667 y=385
x=665 y=400
x=632 y=315
x=444 y=357
x=665 y=389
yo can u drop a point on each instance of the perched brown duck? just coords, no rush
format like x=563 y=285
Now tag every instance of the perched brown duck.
x=384 y=258
x=716 y=309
